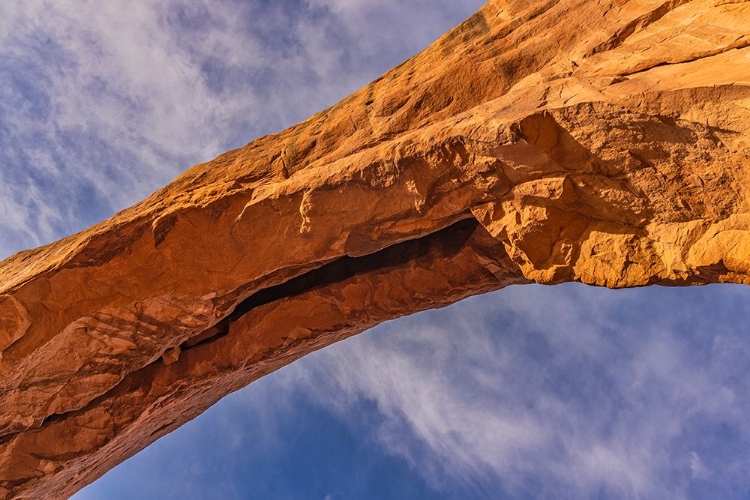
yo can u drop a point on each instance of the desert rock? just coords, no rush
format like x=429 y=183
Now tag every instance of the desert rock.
x=538 y=141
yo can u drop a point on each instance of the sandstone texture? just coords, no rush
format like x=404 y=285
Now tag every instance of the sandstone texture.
x=606 y=142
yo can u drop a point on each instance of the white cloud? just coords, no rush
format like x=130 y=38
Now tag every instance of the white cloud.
x=698 y=470
x=554 y=386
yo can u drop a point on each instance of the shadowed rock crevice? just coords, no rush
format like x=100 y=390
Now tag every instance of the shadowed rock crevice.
x=446 y=242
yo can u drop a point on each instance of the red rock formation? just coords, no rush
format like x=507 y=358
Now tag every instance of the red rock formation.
x=547 y=141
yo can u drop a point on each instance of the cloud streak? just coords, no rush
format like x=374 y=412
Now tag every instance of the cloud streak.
x=551 y=393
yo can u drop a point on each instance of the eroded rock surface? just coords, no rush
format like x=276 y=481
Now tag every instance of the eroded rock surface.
x=539 y=141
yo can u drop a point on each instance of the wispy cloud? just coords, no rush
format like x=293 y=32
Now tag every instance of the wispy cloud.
x=554 y=393
x=698 y=470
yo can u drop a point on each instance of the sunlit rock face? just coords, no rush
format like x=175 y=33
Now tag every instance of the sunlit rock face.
x=601 y=142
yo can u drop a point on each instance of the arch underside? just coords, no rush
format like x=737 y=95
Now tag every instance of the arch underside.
x=508 y=152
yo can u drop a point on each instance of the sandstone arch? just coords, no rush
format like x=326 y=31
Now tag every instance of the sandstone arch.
x=510 y=151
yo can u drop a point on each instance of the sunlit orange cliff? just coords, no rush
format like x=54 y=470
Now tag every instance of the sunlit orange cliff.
x=539 y=141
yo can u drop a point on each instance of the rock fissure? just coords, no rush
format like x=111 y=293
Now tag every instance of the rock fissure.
x=707 y=55
x=636 y=25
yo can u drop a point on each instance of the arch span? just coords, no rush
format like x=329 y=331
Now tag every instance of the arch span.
x=510 y=151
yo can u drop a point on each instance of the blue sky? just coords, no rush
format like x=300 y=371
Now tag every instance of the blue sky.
x=529 y=392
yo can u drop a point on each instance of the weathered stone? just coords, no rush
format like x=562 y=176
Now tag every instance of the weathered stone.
x=568 y=140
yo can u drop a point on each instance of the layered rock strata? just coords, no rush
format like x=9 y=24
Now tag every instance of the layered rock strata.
x=539 y=141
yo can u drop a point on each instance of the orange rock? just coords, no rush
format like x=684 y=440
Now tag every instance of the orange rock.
x=546 y=141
